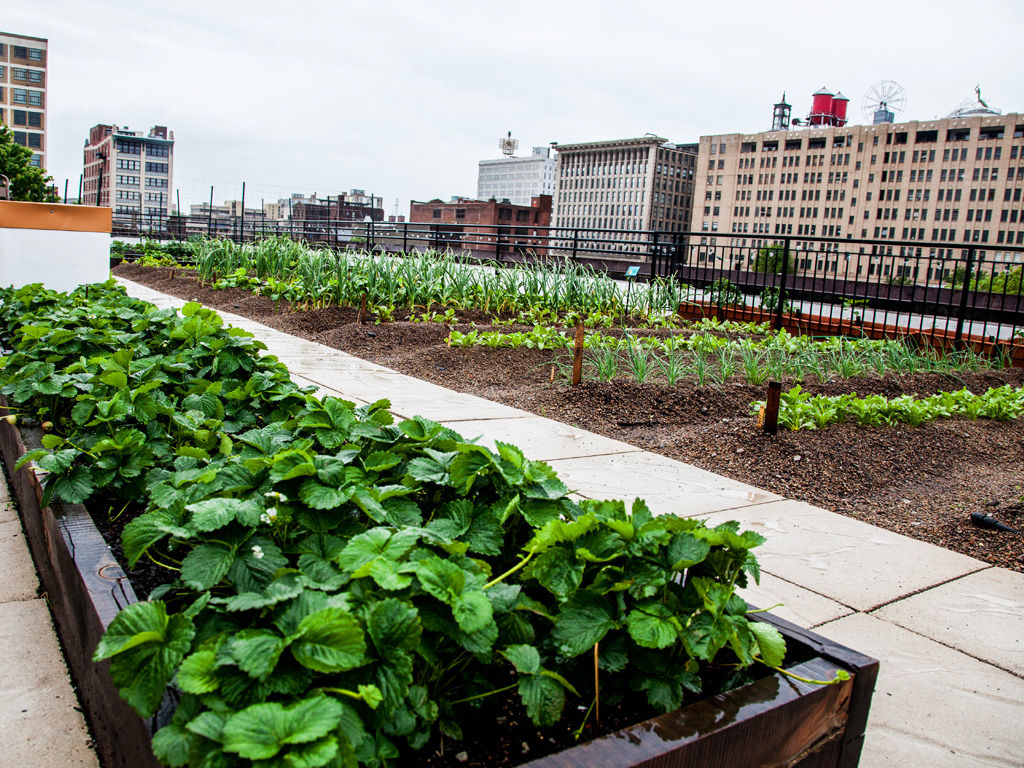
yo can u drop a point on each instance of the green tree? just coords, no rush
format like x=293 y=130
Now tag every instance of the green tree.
x=27 y=182
x=769 y=259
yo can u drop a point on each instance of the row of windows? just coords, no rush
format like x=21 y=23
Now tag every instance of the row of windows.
x=30 y=140
x=156 y=167
x=26 y=118
x=25 y=75
x=995 y=132
x=23 y=52
x=24 y=96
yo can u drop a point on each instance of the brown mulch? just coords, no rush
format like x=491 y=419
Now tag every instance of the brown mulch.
x=923 y=482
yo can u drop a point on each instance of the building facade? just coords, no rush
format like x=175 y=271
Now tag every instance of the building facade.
x=944 y=182
x=23 y=78
x=625 y=185
x=129 y=171
x=476 y=225
x=517 y=179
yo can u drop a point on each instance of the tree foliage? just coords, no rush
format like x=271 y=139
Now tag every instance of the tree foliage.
x=770 y=259
x=1010 y=282
x=27 y=182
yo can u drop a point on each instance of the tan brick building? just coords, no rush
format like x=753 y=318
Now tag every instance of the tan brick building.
x=23 y=91
x=943 y=182
x=644 y=183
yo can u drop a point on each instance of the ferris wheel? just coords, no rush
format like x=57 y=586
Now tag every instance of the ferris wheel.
x=884 y=96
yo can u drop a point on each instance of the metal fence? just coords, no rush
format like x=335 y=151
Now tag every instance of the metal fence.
x=948 y=292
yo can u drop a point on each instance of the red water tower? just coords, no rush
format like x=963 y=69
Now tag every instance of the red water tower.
x=839 y=104
x=821 y=107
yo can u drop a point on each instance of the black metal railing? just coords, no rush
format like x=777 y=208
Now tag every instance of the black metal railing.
x=953 y=290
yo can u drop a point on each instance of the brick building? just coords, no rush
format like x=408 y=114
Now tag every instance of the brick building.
x=944 y=182
x=23 y=92
x=129 y=171
x=486 y=225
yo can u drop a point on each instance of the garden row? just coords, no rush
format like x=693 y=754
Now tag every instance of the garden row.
x=341 y=588
x=288 y=271
x=801 y=410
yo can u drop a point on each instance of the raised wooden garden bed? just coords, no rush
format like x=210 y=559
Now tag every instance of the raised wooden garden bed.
x=774 y=721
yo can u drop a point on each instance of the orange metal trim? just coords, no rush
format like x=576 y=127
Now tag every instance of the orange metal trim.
x=69 y=218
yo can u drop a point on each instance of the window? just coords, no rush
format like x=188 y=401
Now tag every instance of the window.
x=460 y=213
x=19 y=95
x=35 y=54
x=35 y=98
x=20 y=117
x=152 y=182
x=35 y=76
x=157 y=150
x=21 y=138
x=156 y=167
x=19 y=52
x=35 y=141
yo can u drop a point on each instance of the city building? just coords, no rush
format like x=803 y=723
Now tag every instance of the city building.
x=625 y=185
x=486 y=225
x=517 y=179
x=23 y=92
x=128 y=170
x=943 y=182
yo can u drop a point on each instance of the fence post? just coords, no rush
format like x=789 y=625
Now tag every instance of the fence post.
x=497 y=244
x=655 y=255
x=369 y=230
x=962 y=314
x=405 y=238
x=782 y=284
x=575 y=242
x=771 y=408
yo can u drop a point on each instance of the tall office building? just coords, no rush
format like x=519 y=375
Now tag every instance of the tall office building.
x=129 y=171
x=23 y=92
x=943 y=182
x=625 y=184
x=517 y=179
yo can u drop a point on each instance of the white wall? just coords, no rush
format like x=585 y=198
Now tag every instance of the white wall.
x=58 y=259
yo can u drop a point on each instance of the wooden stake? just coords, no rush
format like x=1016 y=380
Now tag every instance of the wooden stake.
x=361 y=317
x=577 y=357
x=771 y=409
x=597 y=693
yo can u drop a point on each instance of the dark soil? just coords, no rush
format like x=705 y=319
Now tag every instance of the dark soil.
x=922 y=481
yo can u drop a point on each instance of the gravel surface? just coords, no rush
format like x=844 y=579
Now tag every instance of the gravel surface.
x=923 y=482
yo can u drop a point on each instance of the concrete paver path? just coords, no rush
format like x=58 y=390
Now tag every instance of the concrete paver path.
x=40 y=723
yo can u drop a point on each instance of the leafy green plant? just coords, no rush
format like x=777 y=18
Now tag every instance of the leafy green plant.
x=723 y=293
x=801 y=410
x=341 y=587
x=638 y=358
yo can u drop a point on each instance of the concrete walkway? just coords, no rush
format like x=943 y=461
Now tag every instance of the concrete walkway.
x=40 y=723
x=948 y=629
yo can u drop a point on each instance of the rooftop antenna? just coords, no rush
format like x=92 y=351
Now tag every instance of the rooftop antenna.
x=508 y=145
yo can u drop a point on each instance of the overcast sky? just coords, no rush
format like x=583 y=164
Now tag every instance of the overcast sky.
x=403 y=98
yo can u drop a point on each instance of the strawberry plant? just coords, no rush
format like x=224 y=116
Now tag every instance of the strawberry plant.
x=340 y=587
